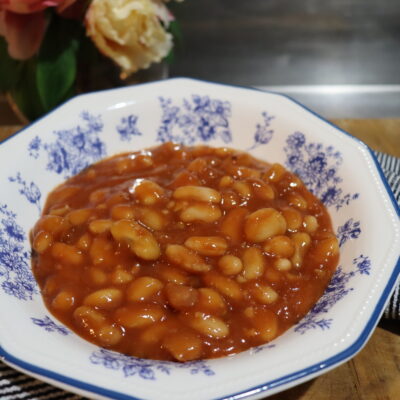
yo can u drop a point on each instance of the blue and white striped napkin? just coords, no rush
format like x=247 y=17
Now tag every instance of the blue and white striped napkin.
x=17 y=386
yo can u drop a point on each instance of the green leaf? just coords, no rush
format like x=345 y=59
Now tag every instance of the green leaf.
x=10 y=69
x=25 y=92
x=57 y=62
x=175 y=29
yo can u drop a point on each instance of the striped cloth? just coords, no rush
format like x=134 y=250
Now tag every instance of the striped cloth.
x=17 y=386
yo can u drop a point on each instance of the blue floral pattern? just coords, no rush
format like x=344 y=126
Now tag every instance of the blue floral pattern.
x=74 y=149
x=349 y=230
x=143 y=368
x=30 y=191
x=127 y=128
x=263 y=133
x=337 y=289
x=15 y=273
x=50 y=326
x=318 y=167
x=199 y=119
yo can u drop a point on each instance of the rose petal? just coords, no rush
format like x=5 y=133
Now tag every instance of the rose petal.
x=24 y=33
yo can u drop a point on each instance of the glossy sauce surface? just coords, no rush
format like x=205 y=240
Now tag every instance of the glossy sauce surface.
x=182 y=253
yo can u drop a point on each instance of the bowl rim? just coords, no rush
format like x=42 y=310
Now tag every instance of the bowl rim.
x=291 y=378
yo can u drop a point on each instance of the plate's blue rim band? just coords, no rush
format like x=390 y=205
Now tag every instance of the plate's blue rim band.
x=336 y=359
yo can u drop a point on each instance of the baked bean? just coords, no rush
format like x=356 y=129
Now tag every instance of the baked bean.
x=53 y=224
x=141 y=241
x=201 y=212
x=253 y=264
x=67 y=254
x=230 y=265
x=143 y=288
x=297 y=200
x=99 y=226
x=210 y=301
x=232 y=224
x=84 y=242
x=230 y=200
x=209 y=325
x=207 y=245
x=64 y=301
x=139 y=316
x=186 y=259
x=97 y=277
x=184 y=346
x=310 y=223
x=151 y=218
x=79 y=217
x=263 y=224
x=121 y=276
x=101 y=251
x=301 y=242
x=106 y=299
x=226 y=181
x=197 y=193
x=109 y=335
x=265 y=324
x=61 y=211
x=293 y=219
x=280 y=246
x=43 y=240
x=243 y=189
x=264 y=294
x=149 y=192
x=226 y=286
x=263 y=191
x=122 y=211
x=275 y=173
x=326 y=248
x=282 y=264
x=174 y=275
x=180 y=297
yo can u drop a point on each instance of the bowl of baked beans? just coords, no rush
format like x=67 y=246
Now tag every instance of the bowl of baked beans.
x=185 y=238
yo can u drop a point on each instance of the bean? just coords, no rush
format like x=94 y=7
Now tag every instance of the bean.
x=232 y=224
x=79 y=217
x=275 y=173
x=201 y=212
x=243 y=189
x=89 y=318
x=101 y=251
x=172 y=274
x=43 y=240
x=279 y=246
x=106 y=299
x=210 y=301
x=99 y=226
x=264 y=293
x=121 y=276
x=209 y=325
x=230 y=265
x=109 y=335
x=98 y=195
x=139 y=316
x=226 y=181
x=186 y=259
x=297 y=200
x=310 y=223
x=197 y=193
x=293 y=219
x=253 y=264
x=226 y=286
x=282 y=264
x=183 y=346
x=265 y=323
x=181 y=297
x=207 y=245
x=149 y=193
x=67 y=254
x=122 y=211
x=143 y=288
x=53 y=224
x=325 y=249
x=301 y=242
x=230 y=200
x=152 y=218
x=197 y=165
x=96 y=276
x=84 y=242
x=64 y=301
x=263 y=191
x=154 y=334
x=61 y=211
x=141 y=241
x=263 y=224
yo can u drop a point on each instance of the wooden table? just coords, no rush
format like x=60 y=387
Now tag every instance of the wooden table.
x=374 y=374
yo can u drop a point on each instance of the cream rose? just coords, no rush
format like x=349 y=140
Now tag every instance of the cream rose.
x=129 y=31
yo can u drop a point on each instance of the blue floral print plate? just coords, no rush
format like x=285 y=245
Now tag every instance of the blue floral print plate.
x=336 y=167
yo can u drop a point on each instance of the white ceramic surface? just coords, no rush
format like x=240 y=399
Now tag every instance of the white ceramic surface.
x=336 y=167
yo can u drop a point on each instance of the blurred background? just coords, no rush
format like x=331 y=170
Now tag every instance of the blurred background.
x=339 y=57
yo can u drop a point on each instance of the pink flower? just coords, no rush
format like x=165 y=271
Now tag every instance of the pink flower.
x=23 y=24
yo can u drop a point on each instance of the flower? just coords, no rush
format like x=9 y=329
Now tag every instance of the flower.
x=23 y=24
x=130 y=32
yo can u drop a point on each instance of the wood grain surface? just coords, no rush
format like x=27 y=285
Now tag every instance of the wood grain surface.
x=373 y=374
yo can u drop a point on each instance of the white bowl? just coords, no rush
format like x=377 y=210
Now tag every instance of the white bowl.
x=338 y=168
